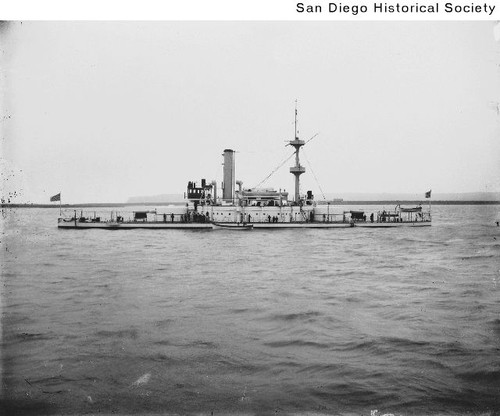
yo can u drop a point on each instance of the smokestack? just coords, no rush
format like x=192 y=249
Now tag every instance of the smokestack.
x=228 y=191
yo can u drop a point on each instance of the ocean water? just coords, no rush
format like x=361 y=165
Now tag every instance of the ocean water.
x=344 y=321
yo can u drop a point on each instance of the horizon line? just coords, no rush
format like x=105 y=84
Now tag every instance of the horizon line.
x=343 y=202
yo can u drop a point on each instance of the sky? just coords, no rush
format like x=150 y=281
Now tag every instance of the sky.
x=102 y=111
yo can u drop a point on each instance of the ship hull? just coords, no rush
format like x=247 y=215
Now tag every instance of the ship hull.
x=392 y=224
x=196 y=226
x=208 y=226
x=295 y=225
x=134 y=225
x=233 y=226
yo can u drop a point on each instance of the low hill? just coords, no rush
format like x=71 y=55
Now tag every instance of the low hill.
x=162 y=198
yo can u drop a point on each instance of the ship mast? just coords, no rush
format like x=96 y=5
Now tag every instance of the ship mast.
x=297 y=170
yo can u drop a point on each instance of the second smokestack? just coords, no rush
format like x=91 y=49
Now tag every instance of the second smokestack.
x=229 y=178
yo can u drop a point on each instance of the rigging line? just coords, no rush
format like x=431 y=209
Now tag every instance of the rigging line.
x=311 y=139
x=314 y=175
x=279 y=166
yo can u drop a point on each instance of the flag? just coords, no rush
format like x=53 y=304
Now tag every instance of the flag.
x=428 y=194
x=55 y=197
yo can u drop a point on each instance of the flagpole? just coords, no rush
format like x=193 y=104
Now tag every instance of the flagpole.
x=430 y=197
x=60 y=206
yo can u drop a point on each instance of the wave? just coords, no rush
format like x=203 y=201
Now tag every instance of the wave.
x=241 y=310
x=366 y=346
x=56 y=380
x=164 y=323
x=477 y=256
x=35 y=336
x=495 y=326
x=492 y=377
x=163 y=343
x=296 y=343
x=120 y=333
x=296 y=316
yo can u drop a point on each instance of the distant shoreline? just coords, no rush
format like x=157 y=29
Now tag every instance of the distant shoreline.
x=128 y=204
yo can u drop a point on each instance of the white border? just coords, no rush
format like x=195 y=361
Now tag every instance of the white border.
x=246 y=10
